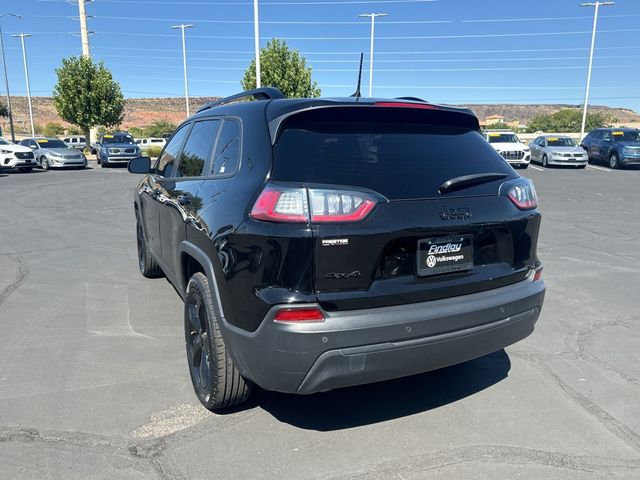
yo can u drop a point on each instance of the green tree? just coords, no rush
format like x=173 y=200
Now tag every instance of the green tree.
x=52 y=129
x=158 y=128
x=568 y=120
x=282 y=68
x=86 y=94
x=499 y=126
x=4 y=111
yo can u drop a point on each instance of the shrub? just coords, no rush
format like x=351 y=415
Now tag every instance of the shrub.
x=152 y=152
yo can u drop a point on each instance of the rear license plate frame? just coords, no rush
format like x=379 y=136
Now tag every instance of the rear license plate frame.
x=440 y=255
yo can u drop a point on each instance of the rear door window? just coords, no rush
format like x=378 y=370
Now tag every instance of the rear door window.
x=197 y=148
x=397 y=160
x=227 y=155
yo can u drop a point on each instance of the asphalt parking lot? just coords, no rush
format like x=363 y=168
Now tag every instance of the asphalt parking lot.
x=94 y=382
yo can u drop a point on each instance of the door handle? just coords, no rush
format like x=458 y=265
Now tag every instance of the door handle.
x=184 y=199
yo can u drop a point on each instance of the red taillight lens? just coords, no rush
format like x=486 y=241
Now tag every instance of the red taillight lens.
x=424 y=106
x=282 y=204
x=523 y=195
x=538 y=275
x=299 y=315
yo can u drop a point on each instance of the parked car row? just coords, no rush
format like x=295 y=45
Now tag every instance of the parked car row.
x=617 y=147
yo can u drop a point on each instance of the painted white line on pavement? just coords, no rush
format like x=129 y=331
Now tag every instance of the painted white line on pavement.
x=599 y=168
x=536 y=168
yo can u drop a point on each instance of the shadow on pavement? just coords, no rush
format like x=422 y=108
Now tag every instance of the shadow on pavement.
x=367 y=404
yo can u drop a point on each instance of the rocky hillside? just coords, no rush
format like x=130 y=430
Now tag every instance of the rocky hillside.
x=142 y=111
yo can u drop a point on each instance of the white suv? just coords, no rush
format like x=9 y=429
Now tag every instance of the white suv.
x=507 y=144
x=16 y=156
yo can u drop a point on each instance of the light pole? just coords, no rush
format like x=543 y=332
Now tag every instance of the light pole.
x=6 y=78
x=26 y=76
x=256 y=35
x=593 y=42
x=184 y=63
x=373 y=23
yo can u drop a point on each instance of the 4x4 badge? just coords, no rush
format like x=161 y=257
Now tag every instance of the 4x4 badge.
x=463 y=213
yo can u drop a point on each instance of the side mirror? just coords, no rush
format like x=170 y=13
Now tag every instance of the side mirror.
x=139 y=165
x=33 y=147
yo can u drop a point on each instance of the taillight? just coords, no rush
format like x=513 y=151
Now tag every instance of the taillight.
x=299 y=315
x=283 y=204
x=523 y=195
x=538 y=275
x=279 y=204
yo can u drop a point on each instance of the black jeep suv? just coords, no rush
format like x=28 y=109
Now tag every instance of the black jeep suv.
x=322 y=243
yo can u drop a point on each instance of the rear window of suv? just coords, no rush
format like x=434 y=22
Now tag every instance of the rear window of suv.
x=397 y=160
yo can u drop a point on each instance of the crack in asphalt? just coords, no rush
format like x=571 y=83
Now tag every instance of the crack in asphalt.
x=150 y=450
x=495 y=454
x=23 y=273
x=608 y=421
x=584 y=340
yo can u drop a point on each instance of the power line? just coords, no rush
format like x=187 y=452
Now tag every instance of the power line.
x=316 y=22
x=407 y=37
x=288 y=3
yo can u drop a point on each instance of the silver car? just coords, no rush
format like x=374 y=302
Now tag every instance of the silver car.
x=54 y=153
x=557 y=150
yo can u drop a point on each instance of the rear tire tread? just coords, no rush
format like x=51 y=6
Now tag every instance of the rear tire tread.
x=229 y=387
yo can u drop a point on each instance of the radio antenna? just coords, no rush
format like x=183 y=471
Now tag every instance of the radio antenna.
x=357 y=93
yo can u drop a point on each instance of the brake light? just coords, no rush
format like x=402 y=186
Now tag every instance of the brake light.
x=523 y=195
x=282 y=204
x=538 y=275
x=424 y=106
x=299 y=315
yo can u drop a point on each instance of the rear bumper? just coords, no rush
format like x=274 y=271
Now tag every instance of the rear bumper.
x=363 y=346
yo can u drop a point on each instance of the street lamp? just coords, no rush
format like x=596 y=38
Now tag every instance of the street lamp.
x=26 y=75
x=373 y=22
x=6 y=77
x=184 y=63
x=593 y=42
x=256 y=41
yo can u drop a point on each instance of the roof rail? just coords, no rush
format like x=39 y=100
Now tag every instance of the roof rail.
x=265 y=93
x=413 y=99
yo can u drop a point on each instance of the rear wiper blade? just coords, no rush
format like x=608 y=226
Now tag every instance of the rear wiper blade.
x=465 y=181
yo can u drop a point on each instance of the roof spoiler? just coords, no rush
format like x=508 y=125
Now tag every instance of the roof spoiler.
x=265 y=93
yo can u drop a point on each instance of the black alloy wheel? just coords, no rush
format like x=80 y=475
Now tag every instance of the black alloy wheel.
x=216 y=381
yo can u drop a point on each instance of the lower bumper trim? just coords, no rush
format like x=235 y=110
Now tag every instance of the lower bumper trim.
x=374 y=363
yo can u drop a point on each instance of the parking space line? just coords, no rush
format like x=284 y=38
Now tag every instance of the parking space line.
x=599 y=168
x=537 y=168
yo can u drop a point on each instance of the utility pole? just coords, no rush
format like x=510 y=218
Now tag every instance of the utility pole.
x=26 y=75
x=84 y=33
x=593 y=42
x=6 y=78
x=256 y=34
x=184 y=63
x=373 y=23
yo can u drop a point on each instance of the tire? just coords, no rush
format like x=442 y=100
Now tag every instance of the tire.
x=525 y=166
x=545 y=161
x=582 y=166
x=44 y=163
x=146 y=263
x=104 y=163
x=216 y=381
x=614 y=161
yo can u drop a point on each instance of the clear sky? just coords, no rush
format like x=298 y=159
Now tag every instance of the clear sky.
x=450 y=51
